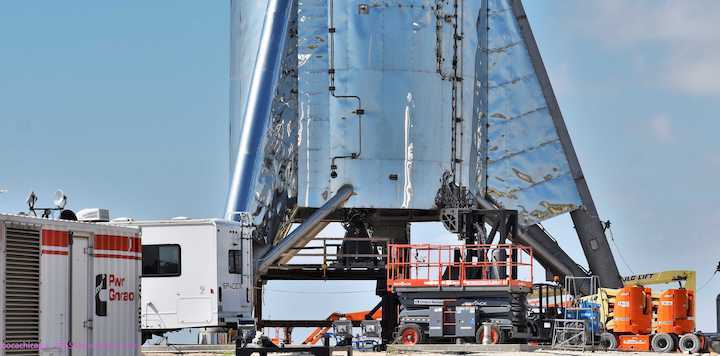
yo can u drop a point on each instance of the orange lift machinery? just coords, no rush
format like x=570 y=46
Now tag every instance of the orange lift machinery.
x=630 y=310
x=675 y=327
x=317 y=334
x=633 y=319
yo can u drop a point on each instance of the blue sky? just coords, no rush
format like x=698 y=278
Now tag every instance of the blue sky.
x=125 y=106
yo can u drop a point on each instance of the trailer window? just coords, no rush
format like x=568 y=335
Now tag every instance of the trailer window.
x=235 y=261
x=160 y=260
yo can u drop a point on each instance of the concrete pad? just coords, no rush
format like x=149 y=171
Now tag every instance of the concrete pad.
x=445 y=349
x=195 y=350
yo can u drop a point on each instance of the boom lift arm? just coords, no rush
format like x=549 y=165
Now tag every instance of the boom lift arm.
x=665 y=277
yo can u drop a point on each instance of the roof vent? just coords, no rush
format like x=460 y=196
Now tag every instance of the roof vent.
x=94 y=215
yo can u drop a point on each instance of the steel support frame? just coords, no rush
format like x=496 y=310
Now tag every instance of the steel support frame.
x=398 y=231
x=284 y=250
x=545 y=249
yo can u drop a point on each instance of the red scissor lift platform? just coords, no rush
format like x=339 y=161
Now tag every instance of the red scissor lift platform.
x=448 y=292
x=433 y=265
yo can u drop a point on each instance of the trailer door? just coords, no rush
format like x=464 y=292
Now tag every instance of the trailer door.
x=79 y=295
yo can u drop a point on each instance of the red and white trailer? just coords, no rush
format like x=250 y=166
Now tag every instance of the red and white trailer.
x=69 y=287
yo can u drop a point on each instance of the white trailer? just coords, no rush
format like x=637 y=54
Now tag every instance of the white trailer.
x=197 y=273
x=69 y=287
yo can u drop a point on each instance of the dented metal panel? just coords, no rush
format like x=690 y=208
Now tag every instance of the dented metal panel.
x=528 y=169
x=394 y=96
x=392 y=60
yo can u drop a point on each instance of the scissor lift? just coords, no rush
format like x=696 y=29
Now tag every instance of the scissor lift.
x=449 y=292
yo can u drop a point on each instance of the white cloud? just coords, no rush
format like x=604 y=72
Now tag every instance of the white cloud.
x=699 y=74
x=662 y=129
x=685 y=32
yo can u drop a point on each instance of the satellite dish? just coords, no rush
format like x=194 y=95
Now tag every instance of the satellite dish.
x=60 y=199
x=31 y=200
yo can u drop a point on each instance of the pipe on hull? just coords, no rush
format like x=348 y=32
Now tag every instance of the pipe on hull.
x=305 y=232
x=258 y=107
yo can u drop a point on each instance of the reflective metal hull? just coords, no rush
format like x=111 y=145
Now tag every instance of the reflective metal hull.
x=398 y=99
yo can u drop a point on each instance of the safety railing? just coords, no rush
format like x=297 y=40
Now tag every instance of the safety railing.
x=429 y=265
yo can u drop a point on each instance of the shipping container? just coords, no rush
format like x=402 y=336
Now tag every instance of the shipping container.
x=197 y=273
x=69 y=287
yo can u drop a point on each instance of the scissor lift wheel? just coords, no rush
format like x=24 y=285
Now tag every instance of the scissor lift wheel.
x=496 y=336
x=410 y=334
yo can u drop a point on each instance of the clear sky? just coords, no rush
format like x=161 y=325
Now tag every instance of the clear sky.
x=125 y=106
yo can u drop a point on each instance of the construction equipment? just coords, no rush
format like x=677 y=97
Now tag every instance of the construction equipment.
x=685 y=279
x=633 y=318
x=676 y=322
x=604 y=298
x=318 y=333
x=578 y=326
x=546 y=305
x=632 y=327
x=445 y=295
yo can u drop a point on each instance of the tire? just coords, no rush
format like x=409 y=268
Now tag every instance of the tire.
x=496 y=335
x=410 y=334
x=690 y=343
x=608 y=341
x=663 y=342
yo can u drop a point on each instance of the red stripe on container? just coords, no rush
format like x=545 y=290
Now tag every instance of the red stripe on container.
x=123 y=257
x=55 y=238
x=117 y=243
x=53 y=252
x=136 y=244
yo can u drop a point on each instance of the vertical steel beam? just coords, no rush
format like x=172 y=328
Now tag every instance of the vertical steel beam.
x=586 y=219
x=717 y=314
x=390 y=305
x=257 y=304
